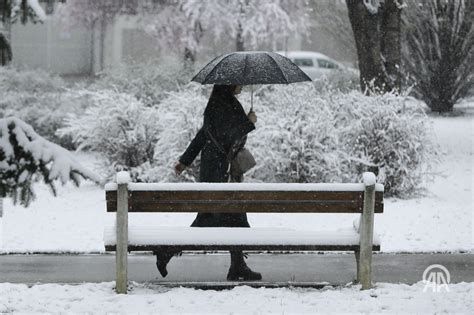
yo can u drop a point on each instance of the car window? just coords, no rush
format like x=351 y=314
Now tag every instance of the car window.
x=303 y=62
x=322 y=63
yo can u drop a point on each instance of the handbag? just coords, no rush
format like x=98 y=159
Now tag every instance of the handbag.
x=242 y=162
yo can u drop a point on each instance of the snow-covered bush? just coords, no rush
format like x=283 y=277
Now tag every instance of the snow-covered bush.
x=295 y=139
x=335 y=137
x=29 y=81
x=304 y=135
x=26 y=158
x=147 y=81
x=342 y=81
x=40 y=99
x=181 y=117
x=45 y=112
x=383 y=134
x=117 y=125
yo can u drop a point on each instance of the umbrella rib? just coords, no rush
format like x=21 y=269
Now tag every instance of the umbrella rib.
x=215 y=67
x=245 y=64
x=194 y=78
x=278 y=66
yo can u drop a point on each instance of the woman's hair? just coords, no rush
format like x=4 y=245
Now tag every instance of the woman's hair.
x=222 y=90
x=219 y=93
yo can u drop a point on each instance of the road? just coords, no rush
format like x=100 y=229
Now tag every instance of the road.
x=335 y=269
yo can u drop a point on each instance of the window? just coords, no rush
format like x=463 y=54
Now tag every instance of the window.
x=303 y=62
x=326 y=64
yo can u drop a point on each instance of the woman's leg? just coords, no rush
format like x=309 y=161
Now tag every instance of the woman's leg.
x=163 y=257
x=239 y=270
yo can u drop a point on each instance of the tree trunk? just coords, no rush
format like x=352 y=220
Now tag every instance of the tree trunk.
x=92 y=62
x=239 y=44
x=189 y=59
x=190 y=54
x=441 y=106
x=365 y=26
x=103 y=29
x=377 y=37
x=5 y=51
x=390 y=28
x=5 y=33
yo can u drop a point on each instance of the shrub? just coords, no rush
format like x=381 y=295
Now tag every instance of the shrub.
x=181 y=117
x=149 y=82
x=294 y=140
x=383 y=135
x=38 y=98
x=29 y=81
x=117 y=125
x=341 y=81
x=306 y=136
x=44 y=112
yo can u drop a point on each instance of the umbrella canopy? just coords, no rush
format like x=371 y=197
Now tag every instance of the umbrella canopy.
x=252 y=67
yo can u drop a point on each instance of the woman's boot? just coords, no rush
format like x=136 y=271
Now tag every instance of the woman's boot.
x=162 y=259
x=239 y=270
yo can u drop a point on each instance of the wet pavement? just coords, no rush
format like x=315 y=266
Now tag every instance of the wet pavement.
x=332 y=268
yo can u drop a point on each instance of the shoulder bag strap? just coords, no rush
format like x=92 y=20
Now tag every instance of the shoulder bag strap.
x=217 y=143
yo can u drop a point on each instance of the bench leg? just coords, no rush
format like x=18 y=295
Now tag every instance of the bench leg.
x=357 y=256
x=121 y=264
x=366 y=238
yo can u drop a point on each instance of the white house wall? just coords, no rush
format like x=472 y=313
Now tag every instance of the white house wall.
x=47 y=46
x=125 y=41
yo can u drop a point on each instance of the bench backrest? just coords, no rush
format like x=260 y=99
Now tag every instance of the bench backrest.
x=248 y=197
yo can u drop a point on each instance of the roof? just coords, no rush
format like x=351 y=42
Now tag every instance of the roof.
x=302 y=54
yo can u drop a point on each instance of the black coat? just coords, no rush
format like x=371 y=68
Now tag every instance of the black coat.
x=225 y=118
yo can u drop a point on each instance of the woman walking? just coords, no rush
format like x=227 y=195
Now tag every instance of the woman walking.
x=222 y=136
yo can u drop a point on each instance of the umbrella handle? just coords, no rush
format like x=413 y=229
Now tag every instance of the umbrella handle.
x=251 y=98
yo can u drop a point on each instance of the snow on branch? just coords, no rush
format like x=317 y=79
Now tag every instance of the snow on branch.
x=32 y=4
x=26 y=157
x=36 y=7
x=373 y=5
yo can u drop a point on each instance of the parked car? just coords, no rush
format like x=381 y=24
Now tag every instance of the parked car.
x=315 y=64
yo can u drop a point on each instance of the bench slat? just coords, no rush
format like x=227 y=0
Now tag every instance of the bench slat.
x=248 y=195
x=244 y=201
x=191 y=247
x=193 y=238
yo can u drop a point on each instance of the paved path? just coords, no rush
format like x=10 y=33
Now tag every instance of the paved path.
x=332 y=268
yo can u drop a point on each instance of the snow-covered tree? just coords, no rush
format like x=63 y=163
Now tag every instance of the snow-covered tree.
x=178 y=25
x=95 y=13
x=376 y=25
x=181 y=24
x=332 y=17
x=26 y=158
x=439 y=50
x=10 y=12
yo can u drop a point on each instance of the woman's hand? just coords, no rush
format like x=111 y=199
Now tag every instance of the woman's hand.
x=252 y=116
x=179 y=168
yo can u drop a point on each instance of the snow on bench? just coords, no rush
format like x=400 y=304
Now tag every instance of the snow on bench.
x=242 y=187
x=141 y=236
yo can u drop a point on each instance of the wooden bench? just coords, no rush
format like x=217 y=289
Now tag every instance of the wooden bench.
x=123 y=197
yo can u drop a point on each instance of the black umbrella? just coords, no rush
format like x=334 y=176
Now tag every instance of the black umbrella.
x=252 y=67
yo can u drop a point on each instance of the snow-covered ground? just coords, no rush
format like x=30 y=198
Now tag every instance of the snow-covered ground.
x=441 y=220
x=100 y=298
